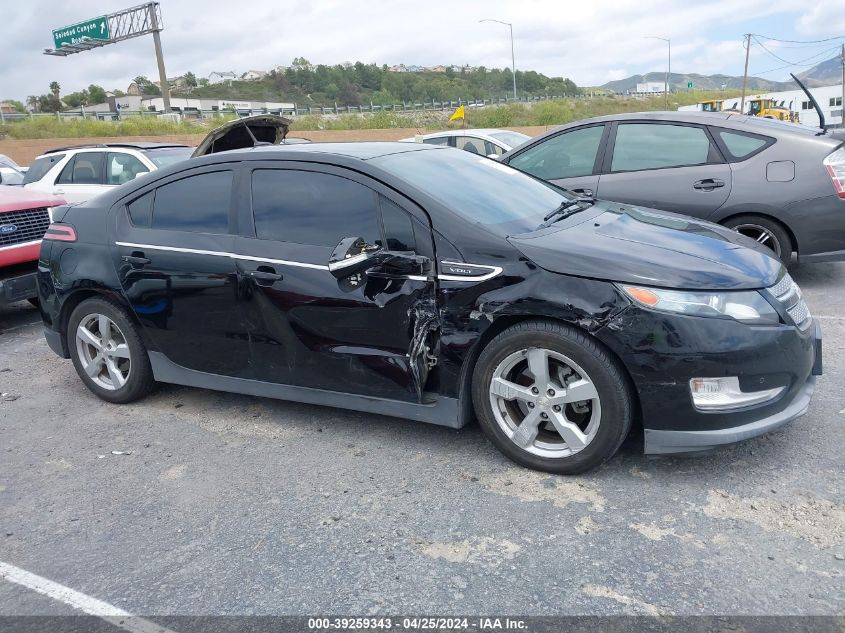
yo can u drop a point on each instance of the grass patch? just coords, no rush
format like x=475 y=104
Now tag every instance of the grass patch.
x=511 y=115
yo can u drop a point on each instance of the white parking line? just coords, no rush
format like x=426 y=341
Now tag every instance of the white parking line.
x=105 y=611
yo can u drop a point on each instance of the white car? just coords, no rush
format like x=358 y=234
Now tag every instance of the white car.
x=485 y=141
x=81 y=172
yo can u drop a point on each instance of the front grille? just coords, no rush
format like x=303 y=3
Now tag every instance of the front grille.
x=787 y=292
x=30 y=225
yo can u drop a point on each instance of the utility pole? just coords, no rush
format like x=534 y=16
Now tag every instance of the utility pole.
x=668 y=68
x=745 y=74
x=513 y=59
x=162 y=75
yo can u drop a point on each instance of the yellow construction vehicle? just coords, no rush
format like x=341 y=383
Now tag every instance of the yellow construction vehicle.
x=771 y=109
x=710 y=106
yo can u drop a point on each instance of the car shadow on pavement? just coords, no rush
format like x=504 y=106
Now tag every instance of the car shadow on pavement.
x=18 y=315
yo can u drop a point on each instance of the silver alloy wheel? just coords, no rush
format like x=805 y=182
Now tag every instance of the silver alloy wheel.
x=545 y=402
x=103 y=352
x=761 y=234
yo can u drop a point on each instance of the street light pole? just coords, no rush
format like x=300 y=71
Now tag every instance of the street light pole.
x=513 y=59
x=669 y=67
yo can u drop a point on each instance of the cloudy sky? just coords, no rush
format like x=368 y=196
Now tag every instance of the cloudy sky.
x=589 y=41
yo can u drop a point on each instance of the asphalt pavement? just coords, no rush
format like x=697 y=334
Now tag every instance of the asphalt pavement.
x=198 y=502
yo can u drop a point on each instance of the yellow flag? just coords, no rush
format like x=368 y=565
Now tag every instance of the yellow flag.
x=457 y=114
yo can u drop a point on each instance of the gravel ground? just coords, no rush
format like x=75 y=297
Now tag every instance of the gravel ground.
x=227 y=504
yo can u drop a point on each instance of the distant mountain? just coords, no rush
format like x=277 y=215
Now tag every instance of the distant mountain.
x=678 y=81
x=826 y=73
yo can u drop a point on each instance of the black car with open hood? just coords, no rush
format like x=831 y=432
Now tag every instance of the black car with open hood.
x=429 y=284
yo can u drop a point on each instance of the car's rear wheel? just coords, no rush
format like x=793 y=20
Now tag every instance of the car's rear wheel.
x=107 y=352
x=766 y=232
x=550 y=398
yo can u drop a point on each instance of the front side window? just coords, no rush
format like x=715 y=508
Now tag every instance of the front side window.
x=314 y=208
x=40 y=167
x=86 y=168
x=568 y=155
x=654 y=146
x=198 y=204
x=121 y=168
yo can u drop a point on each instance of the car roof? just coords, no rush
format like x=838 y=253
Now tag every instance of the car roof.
x=361 y=151
x=473 y=131
x=732 y=120
x=141 y=145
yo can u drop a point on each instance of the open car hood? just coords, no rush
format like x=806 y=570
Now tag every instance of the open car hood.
x=262 y=129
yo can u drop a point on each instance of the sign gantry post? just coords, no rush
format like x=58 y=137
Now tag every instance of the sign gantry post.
x=110 y=29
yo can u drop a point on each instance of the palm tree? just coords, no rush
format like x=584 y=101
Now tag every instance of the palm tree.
x=32 y=102
x=55 y=88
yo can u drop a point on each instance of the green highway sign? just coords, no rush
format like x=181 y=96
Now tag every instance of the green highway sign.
x=95 y=29
x=689 y=85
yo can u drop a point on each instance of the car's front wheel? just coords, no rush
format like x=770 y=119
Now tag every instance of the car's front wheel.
x=107 y=352
x=550 y=398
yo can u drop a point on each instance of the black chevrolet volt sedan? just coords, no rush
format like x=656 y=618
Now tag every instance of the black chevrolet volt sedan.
x=430 y=284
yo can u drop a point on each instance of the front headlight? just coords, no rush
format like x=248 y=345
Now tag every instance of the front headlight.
x=747 y=306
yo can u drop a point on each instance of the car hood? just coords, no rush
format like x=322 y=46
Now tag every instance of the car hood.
x=642 y=246
x=262 y=129
x=20 y=198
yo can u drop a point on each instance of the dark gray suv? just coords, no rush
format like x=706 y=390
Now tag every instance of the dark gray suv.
x=779 y=183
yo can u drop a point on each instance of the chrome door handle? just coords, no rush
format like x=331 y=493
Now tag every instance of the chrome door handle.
x=708 y=184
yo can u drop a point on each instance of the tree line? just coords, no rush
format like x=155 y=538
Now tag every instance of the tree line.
x=346 y=84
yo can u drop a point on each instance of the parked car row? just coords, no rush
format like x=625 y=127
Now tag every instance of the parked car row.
x=442 y=286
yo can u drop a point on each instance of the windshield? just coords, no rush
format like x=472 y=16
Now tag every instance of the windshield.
x=164 y=156
x=511 y=139
x=479 y=189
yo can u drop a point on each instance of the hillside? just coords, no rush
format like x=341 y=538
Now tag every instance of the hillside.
x=678 y=82
x=826 y=73
x=354 y=84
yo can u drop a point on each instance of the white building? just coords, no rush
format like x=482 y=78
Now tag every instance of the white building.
x=219 y=77
x=829 y=99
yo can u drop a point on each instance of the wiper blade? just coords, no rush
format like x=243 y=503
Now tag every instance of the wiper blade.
x=566 y=209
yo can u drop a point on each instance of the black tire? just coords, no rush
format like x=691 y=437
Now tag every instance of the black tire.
x=140 y=380
x=605 y=371
x=782 y=246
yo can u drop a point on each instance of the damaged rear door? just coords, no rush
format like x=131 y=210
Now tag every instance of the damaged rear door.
x=372 y=333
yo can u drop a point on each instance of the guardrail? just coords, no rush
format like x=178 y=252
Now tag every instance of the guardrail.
x=296 y=110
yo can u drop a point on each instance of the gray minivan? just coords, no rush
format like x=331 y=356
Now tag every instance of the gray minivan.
x=781 y=184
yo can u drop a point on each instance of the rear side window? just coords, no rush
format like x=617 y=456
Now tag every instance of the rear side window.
x=40 y=167
x=85 y=168
x=438 y=140
x=568 y=155
x=141 y=210
x=655 y=146
x=740 y=145
x=312 y=208
x=198 y=204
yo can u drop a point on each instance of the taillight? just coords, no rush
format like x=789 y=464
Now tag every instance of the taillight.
x=60 y=233
x=835 y=165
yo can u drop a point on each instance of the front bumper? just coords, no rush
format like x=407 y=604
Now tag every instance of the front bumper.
x=661 y=442
x=662 y=352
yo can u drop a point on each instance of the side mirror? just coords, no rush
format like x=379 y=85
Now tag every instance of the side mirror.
x=352 y=255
